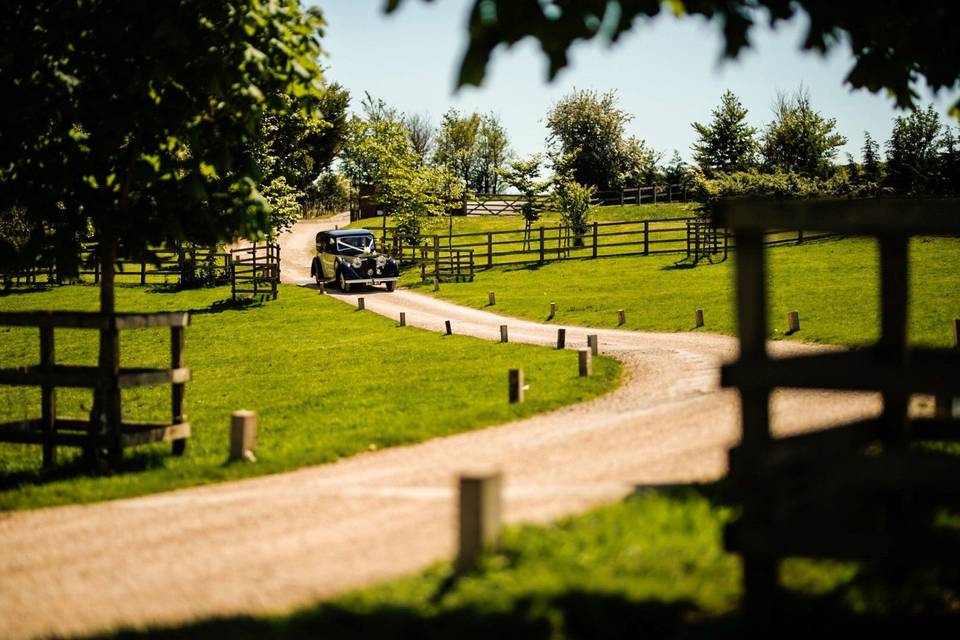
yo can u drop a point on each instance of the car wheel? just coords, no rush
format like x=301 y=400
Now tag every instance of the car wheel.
x=342 y=281
x=391 y=286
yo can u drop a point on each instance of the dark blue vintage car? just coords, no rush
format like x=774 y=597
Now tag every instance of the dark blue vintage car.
x=350 y=257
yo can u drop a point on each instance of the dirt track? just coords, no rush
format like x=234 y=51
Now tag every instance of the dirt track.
x=280 y=541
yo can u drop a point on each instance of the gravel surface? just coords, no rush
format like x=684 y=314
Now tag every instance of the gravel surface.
x=275 y=542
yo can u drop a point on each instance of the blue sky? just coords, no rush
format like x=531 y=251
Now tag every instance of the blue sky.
x=666 y=72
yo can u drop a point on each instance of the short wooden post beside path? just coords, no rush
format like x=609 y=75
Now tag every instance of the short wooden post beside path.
x=479 y=517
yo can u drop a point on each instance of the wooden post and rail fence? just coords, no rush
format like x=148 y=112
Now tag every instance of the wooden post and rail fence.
x=859 y=491
x=107 y=431
x=456 y=257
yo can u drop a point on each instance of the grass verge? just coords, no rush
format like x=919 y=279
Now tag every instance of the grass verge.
x=833 y=285
x=328 y=382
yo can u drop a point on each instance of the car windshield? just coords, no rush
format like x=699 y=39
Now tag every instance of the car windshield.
x=353 y=245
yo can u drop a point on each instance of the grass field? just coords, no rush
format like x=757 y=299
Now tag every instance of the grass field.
x=328 y=382
x=832 y=283
x=651 y=567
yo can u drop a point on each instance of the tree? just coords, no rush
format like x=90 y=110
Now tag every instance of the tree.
x=677 y=172
x=493 y=150
x=890 y=44
x=728 y=143
x=131 y=124
x=294 y=148
x=949 y=177
x=421 y=133
x=913 y=151
x=378 y=153
x=524 y=176
x=871 y=171
x=800 y=139
x=639 y=163
x=457 y=143
x=592 y=126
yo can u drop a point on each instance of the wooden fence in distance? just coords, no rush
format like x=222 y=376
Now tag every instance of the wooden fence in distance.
x=255 y=271
x=169 y=266
x=651 y=194
x=690 y=236
x=107 y=431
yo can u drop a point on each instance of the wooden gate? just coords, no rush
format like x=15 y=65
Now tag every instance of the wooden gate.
x=255 y=271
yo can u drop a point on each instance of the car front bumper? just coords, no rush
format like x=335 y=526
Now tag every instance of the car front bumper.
x=372 y=281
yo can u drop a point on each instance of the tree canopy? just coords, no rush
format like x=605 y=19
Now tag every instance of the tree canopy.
x=894 y=43
x=727 y=143
x=133 y=123
x=800 y=139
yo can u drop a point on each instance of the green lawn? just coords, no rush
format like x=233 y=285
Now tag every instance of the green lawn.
x=651 y=567
x=328 y=382
x=831 y=283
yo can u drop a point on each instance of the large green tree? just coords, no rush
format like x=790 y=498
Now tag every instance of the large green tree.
x=913 y=151
x=458 y=144
x=894 y=44
x=727 y=143
x=589 y=127
x=131 y=123
x=800 y=139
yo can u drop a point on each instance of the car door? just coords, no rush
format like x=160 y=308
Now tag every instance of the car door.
x=328 y=257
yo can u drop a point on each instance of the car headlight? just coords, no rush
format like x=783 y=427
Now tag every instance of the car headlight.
x=357 y=263
x=381 y=260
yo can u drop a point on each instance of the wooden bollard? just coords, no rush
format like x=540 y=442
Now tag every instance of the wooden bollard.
x=243 y=435
x=360 y=305
x=436 y=284
x=561 y=338
x=403 y=318
x=491 y=298
x=793 y=322
x=586 y=362
x=446 y=323
x=698 y=318
x=515 y=385
x=553 y=310
x=479 y=517
x=593 y=344
x=504 y=337
x=621 y=317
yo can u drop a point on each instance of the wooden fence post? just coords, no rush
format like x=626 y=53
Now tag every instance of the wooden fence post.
x=436 y=262
x=360 y=304
x=504 y=337
x=654 y=193
x=541 y=244
x=403 y=318
x=489 y=250
x=585 y=363
x=177 y=391
x=515 y=385
x=799 y=236
x=479 y=517
x=491 y=298
x=698 y=318
x=561 y=338
x=621 y=317
x=48 y=399
x=793 y=322
x=243 y=435
x=595 y=237
x=592 y=343
x=143 y=272
x=646 y=237
x=621 y=197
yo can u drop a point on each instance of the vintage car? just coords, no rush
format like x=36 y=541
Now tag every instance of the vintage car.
x=350 y=257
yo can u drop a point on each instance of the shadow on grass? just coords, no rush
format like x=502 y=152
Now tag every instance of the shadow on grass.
x=537 y=612
x=80 y=467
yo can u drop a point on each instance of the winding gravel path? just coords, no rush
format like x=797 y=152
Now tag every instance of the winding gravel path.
x=280 y=541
